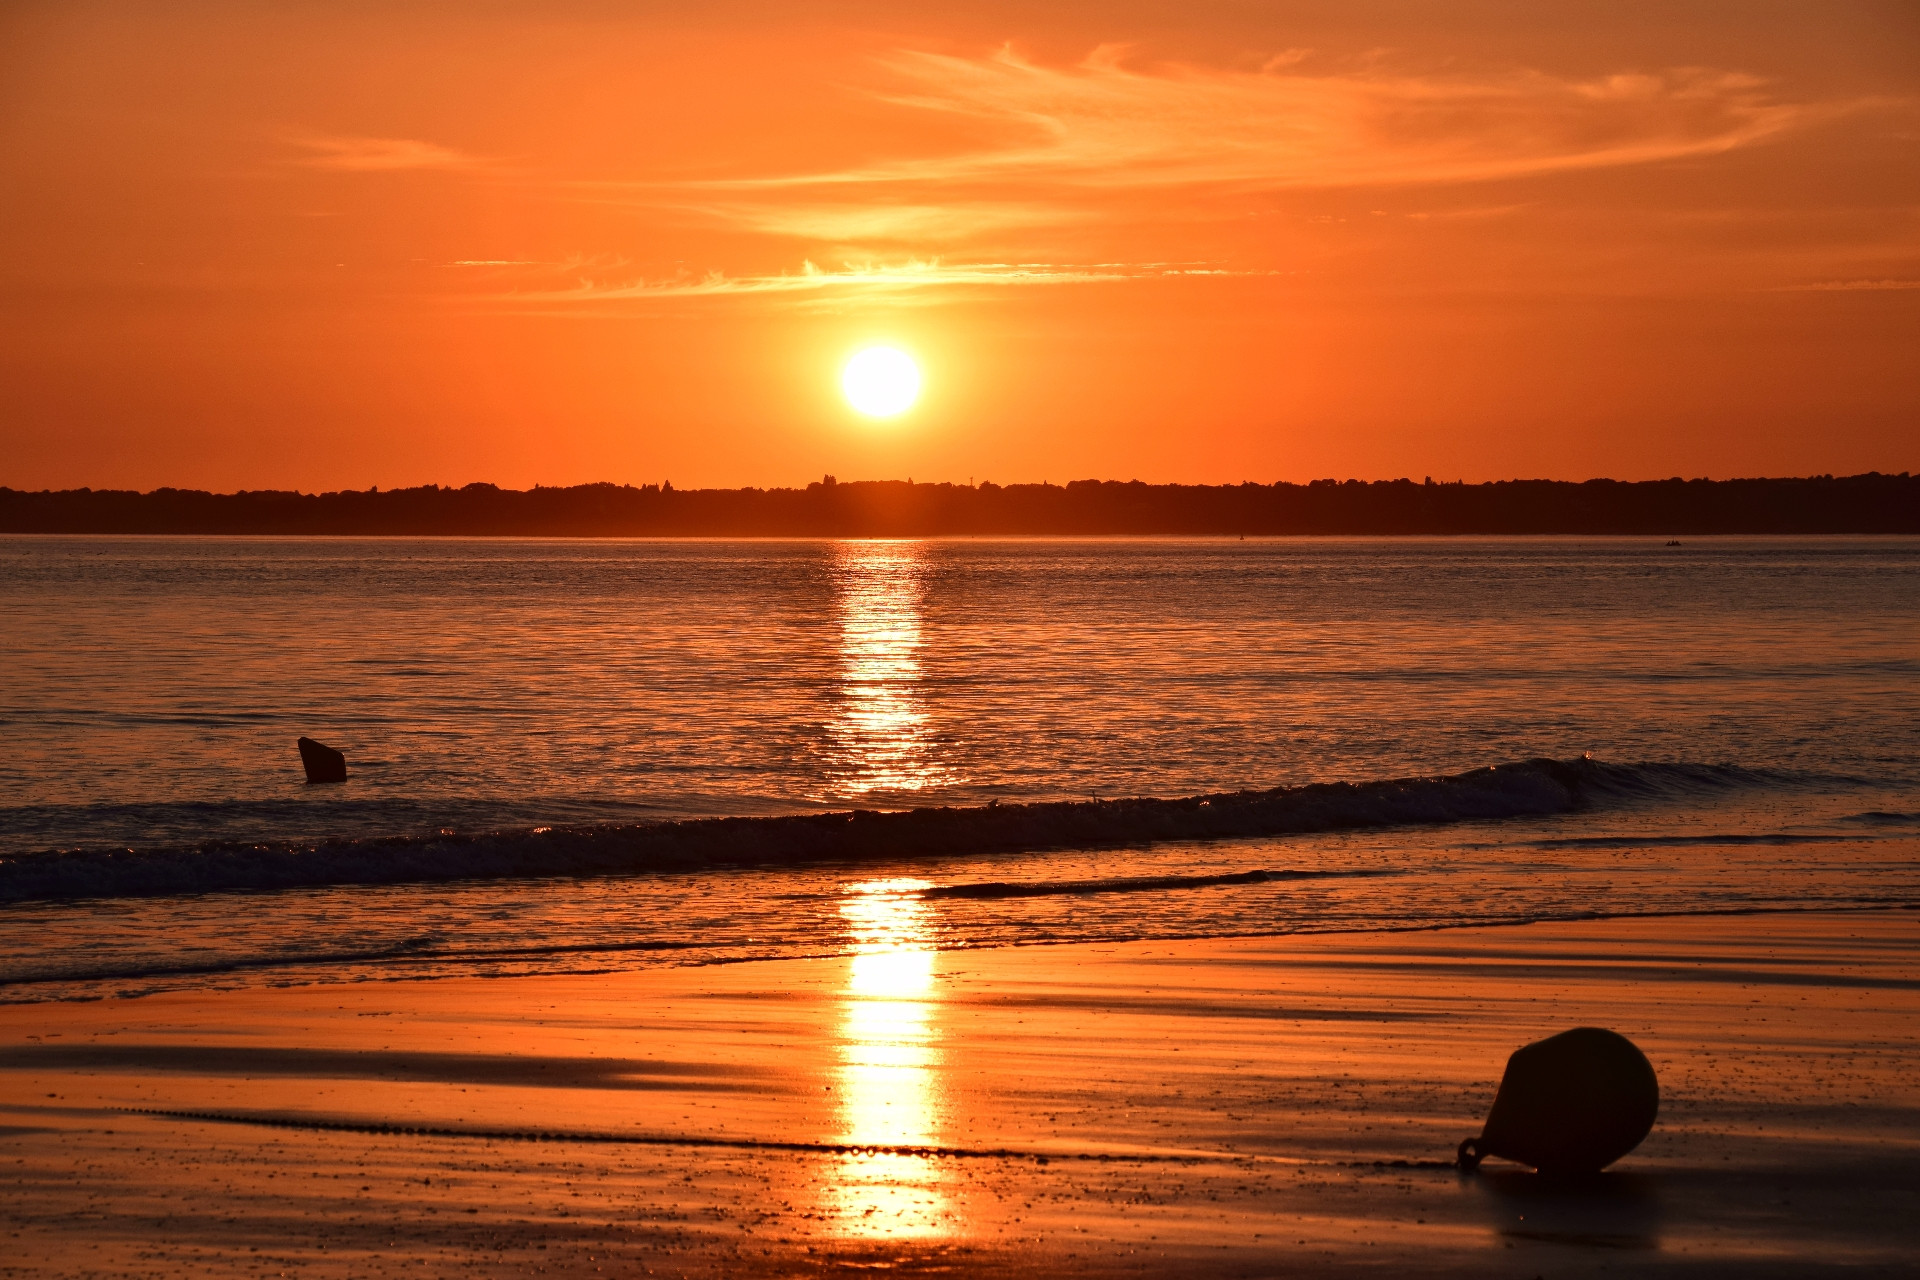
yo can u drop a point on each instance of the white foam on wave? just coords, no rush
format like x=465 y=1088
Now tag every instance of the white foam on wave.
x=1538 y=787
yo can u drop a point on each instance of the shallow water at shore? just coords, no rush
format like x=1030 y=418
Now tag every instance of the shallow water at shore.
x=1764 y=852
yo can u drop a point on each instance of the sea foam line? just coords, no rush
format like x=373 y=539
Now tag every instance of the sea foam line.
x=1536 y=787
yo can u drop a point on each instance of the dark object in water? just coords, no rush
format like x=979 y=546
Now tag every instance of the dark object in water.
x=1673 y=542
x=1572 y=1103
x=323 y=764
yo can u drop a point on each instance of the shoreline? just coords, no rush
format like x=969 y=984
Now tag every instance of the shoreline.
x=1124 y=1108
x=1888 y=907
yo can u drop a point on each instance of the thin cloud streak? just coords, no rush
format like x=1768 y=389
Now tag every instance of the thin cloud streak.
x=851 y=222
x=382 y=155
x=867 y=280
x=1848 y=286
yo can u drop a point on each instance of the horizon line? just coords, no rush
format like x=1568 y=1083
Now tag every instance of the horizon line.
x=828 y=480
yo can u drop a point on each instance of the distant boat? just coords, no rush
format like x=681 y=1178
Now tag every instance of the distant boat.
x=1673 y=542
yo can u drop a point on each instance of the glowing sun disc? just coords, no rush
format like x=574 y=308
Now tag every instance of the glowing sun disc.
x=881 y=382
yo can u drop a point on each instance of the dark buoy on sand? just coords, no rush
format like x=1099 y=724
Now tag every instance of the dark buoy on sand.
x=1572 y=1103
x=323 y=763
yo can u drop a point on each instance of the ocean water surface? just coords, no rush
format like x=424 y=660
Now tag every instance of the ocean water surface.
x=1597 y=726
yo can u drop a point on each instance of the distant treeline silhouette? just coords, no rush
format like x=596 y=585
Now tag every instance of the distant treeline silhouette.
x=1870 y=503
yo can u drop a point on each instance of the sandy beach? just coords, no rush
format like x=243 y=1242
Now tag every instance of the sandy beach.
x=1224 y=1107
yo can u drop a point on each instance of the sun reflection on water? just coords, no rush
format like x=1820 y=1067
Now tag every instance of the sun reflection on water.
x=880 y=736
x=889 y=1063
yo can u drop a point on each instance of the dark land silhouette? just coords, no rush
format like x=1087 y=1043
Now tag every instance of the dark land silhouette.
x=1869 y=503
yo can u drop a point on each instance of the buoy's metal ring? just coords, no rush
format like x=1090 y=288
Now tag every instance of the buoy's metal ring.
x=1470 y=1155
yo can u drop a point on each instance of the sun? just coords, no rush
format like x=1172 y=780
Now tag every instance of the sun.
x=881 y=382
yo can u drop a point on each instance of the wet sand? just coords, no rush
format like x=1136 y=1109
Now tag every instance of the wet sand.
x=1240 y=1107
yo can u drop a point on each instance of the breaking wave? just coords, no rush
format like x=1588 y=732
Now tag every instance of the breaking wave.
x=1531 y=788
x=987 y=890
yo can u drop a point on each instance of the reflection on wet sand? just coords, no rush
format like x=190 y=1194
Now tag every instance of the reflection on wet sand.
x=887 y=1082
x=880 y=735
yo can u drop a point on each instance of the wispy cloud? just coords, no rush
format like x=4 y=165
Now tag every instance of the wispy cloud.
x=866 y=217
x=1086 y=141
x=864 y=280
x=381 y=155
x=1144 y=146
x=1472 y=213
x=1105 y=124
x=1847 y=286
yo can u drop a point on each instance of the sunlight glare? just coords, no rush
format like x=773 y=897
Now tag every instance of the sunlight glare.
x=882 y=740
x=881 y=382
x=889 y=1071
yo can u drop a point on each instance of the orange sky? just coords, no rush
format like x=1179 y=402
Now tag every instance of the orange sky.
x=323 y=245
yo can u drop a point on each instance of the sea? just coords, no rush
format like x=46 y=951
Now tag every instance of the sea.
x=574 y=756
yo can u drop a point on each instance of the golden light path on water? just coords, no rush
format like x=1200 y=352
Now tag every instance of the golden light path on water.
x=889 y=1070
x=880 y=735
